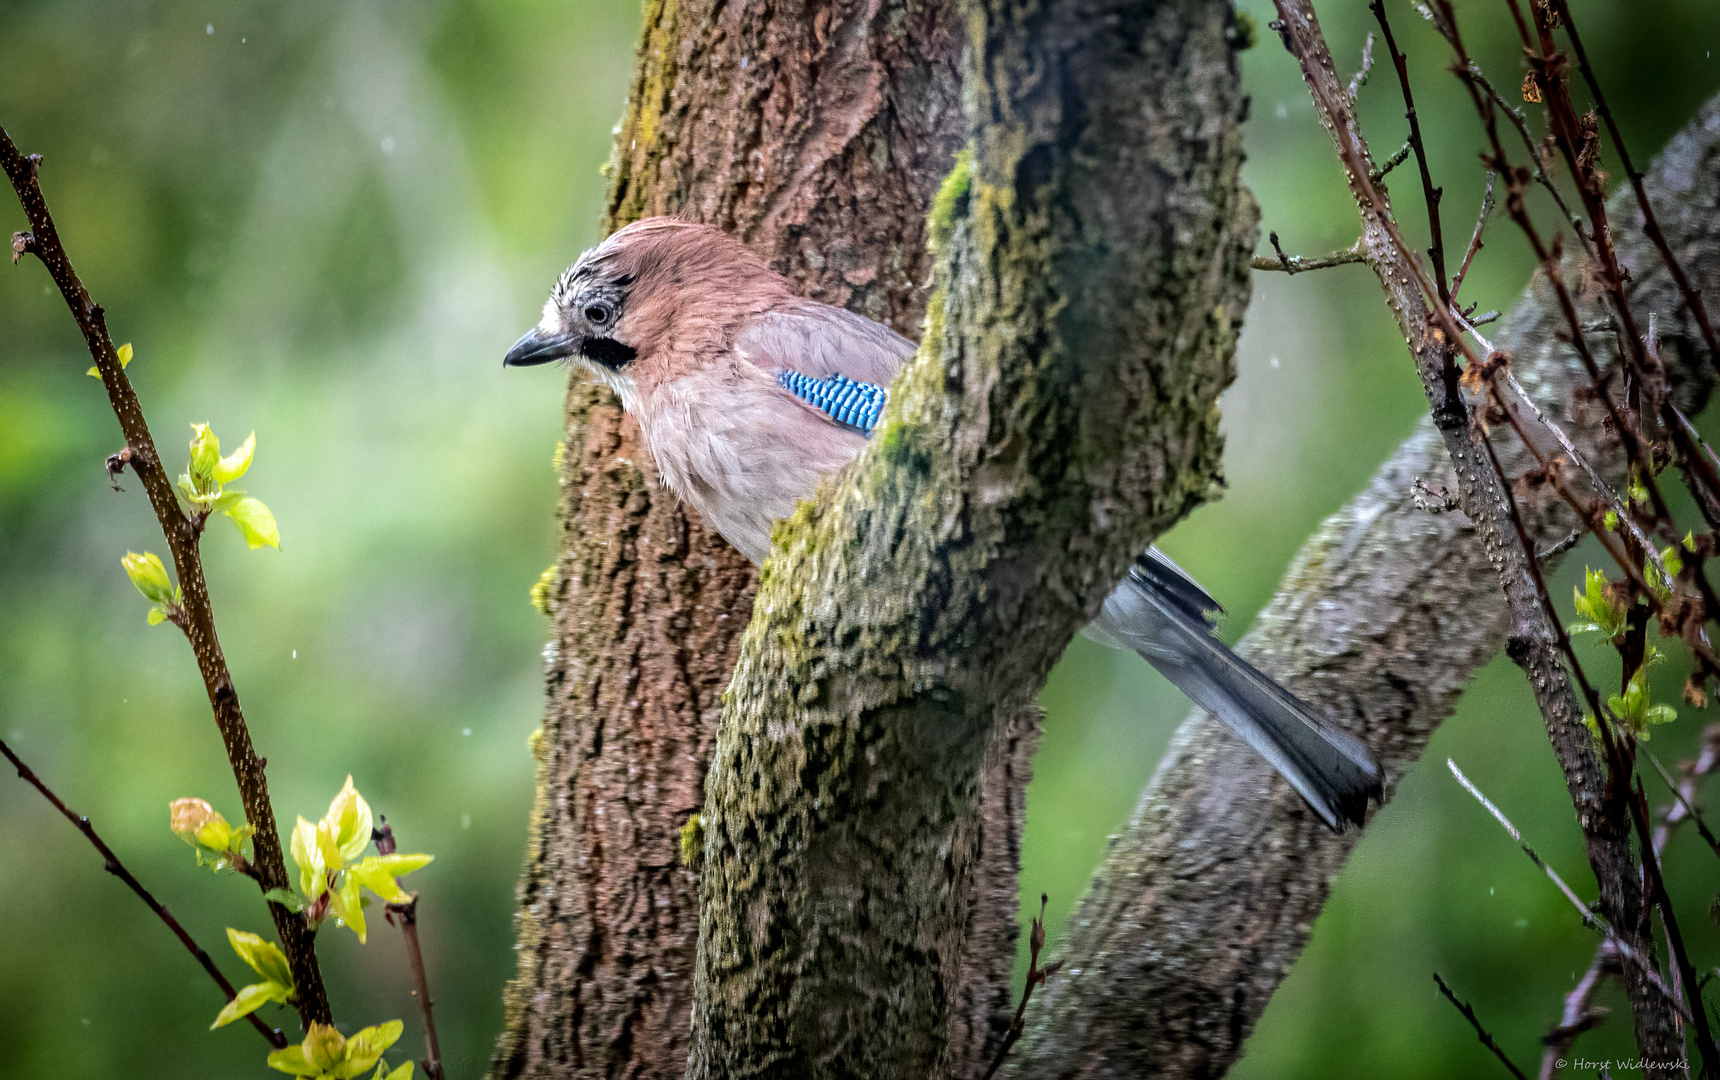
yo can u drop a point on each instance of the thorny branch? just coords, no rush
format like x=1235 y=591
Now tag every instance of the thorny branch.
x=182 y=534
x=111 y=863
x=1538 y=644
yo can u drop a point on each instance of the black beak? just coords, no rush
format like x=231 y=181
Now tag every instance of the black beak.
x=538 y=347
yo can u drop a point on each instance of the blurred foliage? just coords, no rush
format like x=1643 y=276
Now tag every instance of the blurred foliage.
x=325 y=222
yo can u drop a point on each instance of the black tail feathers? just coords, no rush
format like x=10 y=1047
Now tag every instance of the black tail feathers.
x=1160 y=613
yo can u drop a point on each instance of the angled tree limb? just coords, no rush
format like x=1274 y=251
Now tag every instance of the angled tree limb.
x=1205 y=901
x=1092 y=271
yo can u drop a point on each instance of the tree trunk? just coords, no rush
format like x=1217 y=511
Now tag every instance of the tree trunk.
x=816 y=131
x=1092 y=273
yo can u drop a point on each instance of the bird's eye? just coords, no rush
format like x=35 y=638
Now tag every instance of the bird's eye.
x=598 y=314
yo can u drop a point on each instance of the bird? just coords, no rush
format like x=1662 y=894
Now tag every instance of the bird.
x=748 y=395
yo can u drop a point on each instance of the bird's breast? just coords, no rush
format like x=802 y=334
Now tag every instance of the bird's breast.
x=741 y=450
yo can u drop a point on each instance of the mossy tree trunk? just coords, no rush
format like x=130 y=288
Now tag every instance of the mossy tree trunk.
x=817 y=131
x=1092 y=272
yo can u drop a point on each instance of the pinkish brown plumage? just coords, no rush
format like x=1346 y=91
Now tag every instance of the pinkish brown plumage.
x=697 y=336
x=691 y=328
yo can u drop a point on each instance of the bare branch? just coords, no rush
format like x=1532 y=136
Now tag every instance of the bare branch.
x=1399 y=156
x=111 y=863
x=1360 y=78
x=1480 y=1032
x=405 y=916
x=1475 y=238
x=1157 y=981
x=1579 y=1015
x=1296 y=264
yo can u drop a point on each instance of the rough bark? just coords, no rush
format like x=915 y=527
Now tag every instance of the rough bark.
x=817 y=131
x=1208 y=897
x=1092 y=273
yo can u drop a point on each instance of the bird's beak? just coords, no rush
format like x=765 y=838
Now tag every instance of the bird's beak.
x=540 y=347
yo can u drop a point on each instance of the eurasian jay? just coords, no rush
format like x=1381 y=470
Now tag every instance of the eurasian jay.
x=748 y=395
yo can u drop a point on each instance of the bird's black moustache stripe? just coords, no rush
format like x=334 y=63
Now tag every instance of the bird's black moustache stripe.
x=610 y=353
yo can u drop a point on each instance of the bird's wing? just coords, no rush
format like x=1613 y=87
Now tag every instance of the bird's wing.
x=820 y=341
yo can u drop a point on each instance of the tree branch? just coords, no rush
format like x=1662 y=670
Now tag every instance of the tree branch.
x=1206 y=899
x=1091 y=276
x=111 y=863
x=182 y=534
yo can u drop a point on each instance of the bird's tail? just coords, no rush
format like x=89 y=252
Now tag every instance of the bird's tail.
x=1161 y=613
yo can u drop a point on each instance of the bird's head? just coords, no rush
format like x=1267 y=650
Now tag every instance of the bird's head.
x=654 y=300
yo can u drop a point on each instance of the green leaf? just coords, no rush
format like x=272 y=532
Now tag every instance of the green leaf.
x=149 y=575
x=248 y=1000
x=378 y=874
x=1593 y=603
x=255 y=523
x=294 y=1061
x=205 y=455
x=365 y=1047
x=349 y=821
x=402 y=1073
x=233 y=466
x=287 y=898
x=307 y=850
x=344 y=901
x=264 y=957
x=156 y=616
x=1659 y=714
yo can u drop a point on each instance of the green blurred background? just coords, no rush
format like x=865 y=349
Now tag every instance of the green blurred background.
x=325 y=222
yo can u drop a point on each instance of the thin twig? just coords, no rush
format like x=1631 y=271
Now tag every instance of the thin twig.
x=1430 y=194
x=1475 y=238
x=1650 y=225
x=407 y=914
x=1561 y=547
x=1480 y=1032
x=1398 y=158
x=1684 y=792
x=111 y=863
x=1579 y=1015
x=1588 y=914
x=1360 y=78
x=181 y=532
x=1296 y=264
x=1036 y=976
x=1596 y=481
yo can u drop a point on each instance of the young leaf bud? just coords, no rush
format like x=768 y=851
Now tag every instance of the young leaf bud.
x=150 y=577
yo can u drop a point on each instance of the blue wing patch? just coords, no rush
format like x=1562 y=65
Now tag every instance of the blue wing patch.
x=857 y=404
